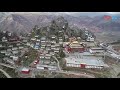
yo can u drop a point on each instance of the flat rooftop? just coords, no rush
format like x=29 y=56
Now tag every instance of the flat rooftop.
x=85 y=57
x=97 y=48
x=49 y=66
x=83 y=54
x=95 y=62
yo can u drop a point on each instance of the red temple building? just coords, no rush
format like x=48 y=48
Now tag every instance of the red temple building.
x=75 y=47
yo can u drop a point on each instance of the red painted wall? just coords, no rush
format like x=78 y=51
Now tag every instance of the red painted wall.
x=26 y=72
x=82 y=65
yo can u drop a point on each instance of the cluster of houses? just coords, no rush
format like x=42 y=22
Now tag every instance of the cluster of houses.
x=46 y=48
x=9 y=37
x=48 y=45
x=11 y=49
x=12 y=53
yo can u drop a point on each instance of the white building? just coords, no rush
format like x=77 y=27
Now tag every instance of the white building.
x=4 y=39
x=9 y=61
x=79 y=38
x=47 y=56
x=46 y=66
x=52 y=46
x=8 y=53
x=96 y=50
x=42 y=47
x=15 y=58
x=53 y=37
x=4 y=31
x=37 y=43
x=14 y=48
x=61 y=43
x=86 y=33
x=28 y=44
x=53 y=42
x=15 y=52
x=60 y=31
x=43 y=38
x=84 y=63
x=40 y=67
x=43 y=42
x=91 y=39
x=61 y=39
x=3 y=51
x=52 y=53
x=20 y=47
x=42 y=57
x=36 y=36
x=56 y=50
x=36 y=47
x=38 y=40
x=33 y=39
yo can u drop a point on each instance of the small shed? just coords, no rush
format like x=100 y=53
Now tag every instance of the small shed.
x=25 y=70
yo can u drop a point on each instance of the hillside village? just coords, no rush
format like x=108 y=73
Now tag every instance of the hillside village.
x=56 y=48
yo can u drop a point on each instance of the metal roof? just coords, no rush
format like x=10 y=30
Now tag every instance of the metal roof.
x=25 y=69
x=95 y=62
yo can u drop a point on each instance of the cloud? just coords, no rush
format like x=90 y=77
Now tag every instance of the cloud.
x=69 y=13
x=113 y=12
x=92 y=14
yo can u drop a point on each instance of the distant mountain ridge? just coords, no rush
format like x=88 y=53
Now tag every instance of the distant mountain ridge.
x=3 y=15
x=23 y=23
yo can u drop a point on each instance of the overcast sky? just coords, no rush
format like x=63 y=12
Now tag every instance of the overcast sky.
x=114 y=12
x=76 y=14
x=69 y=12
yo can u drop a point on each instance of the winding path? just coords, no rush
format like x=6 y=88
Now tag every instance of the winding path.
x=57 y=63
x=2 y=64
x=6 y=74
